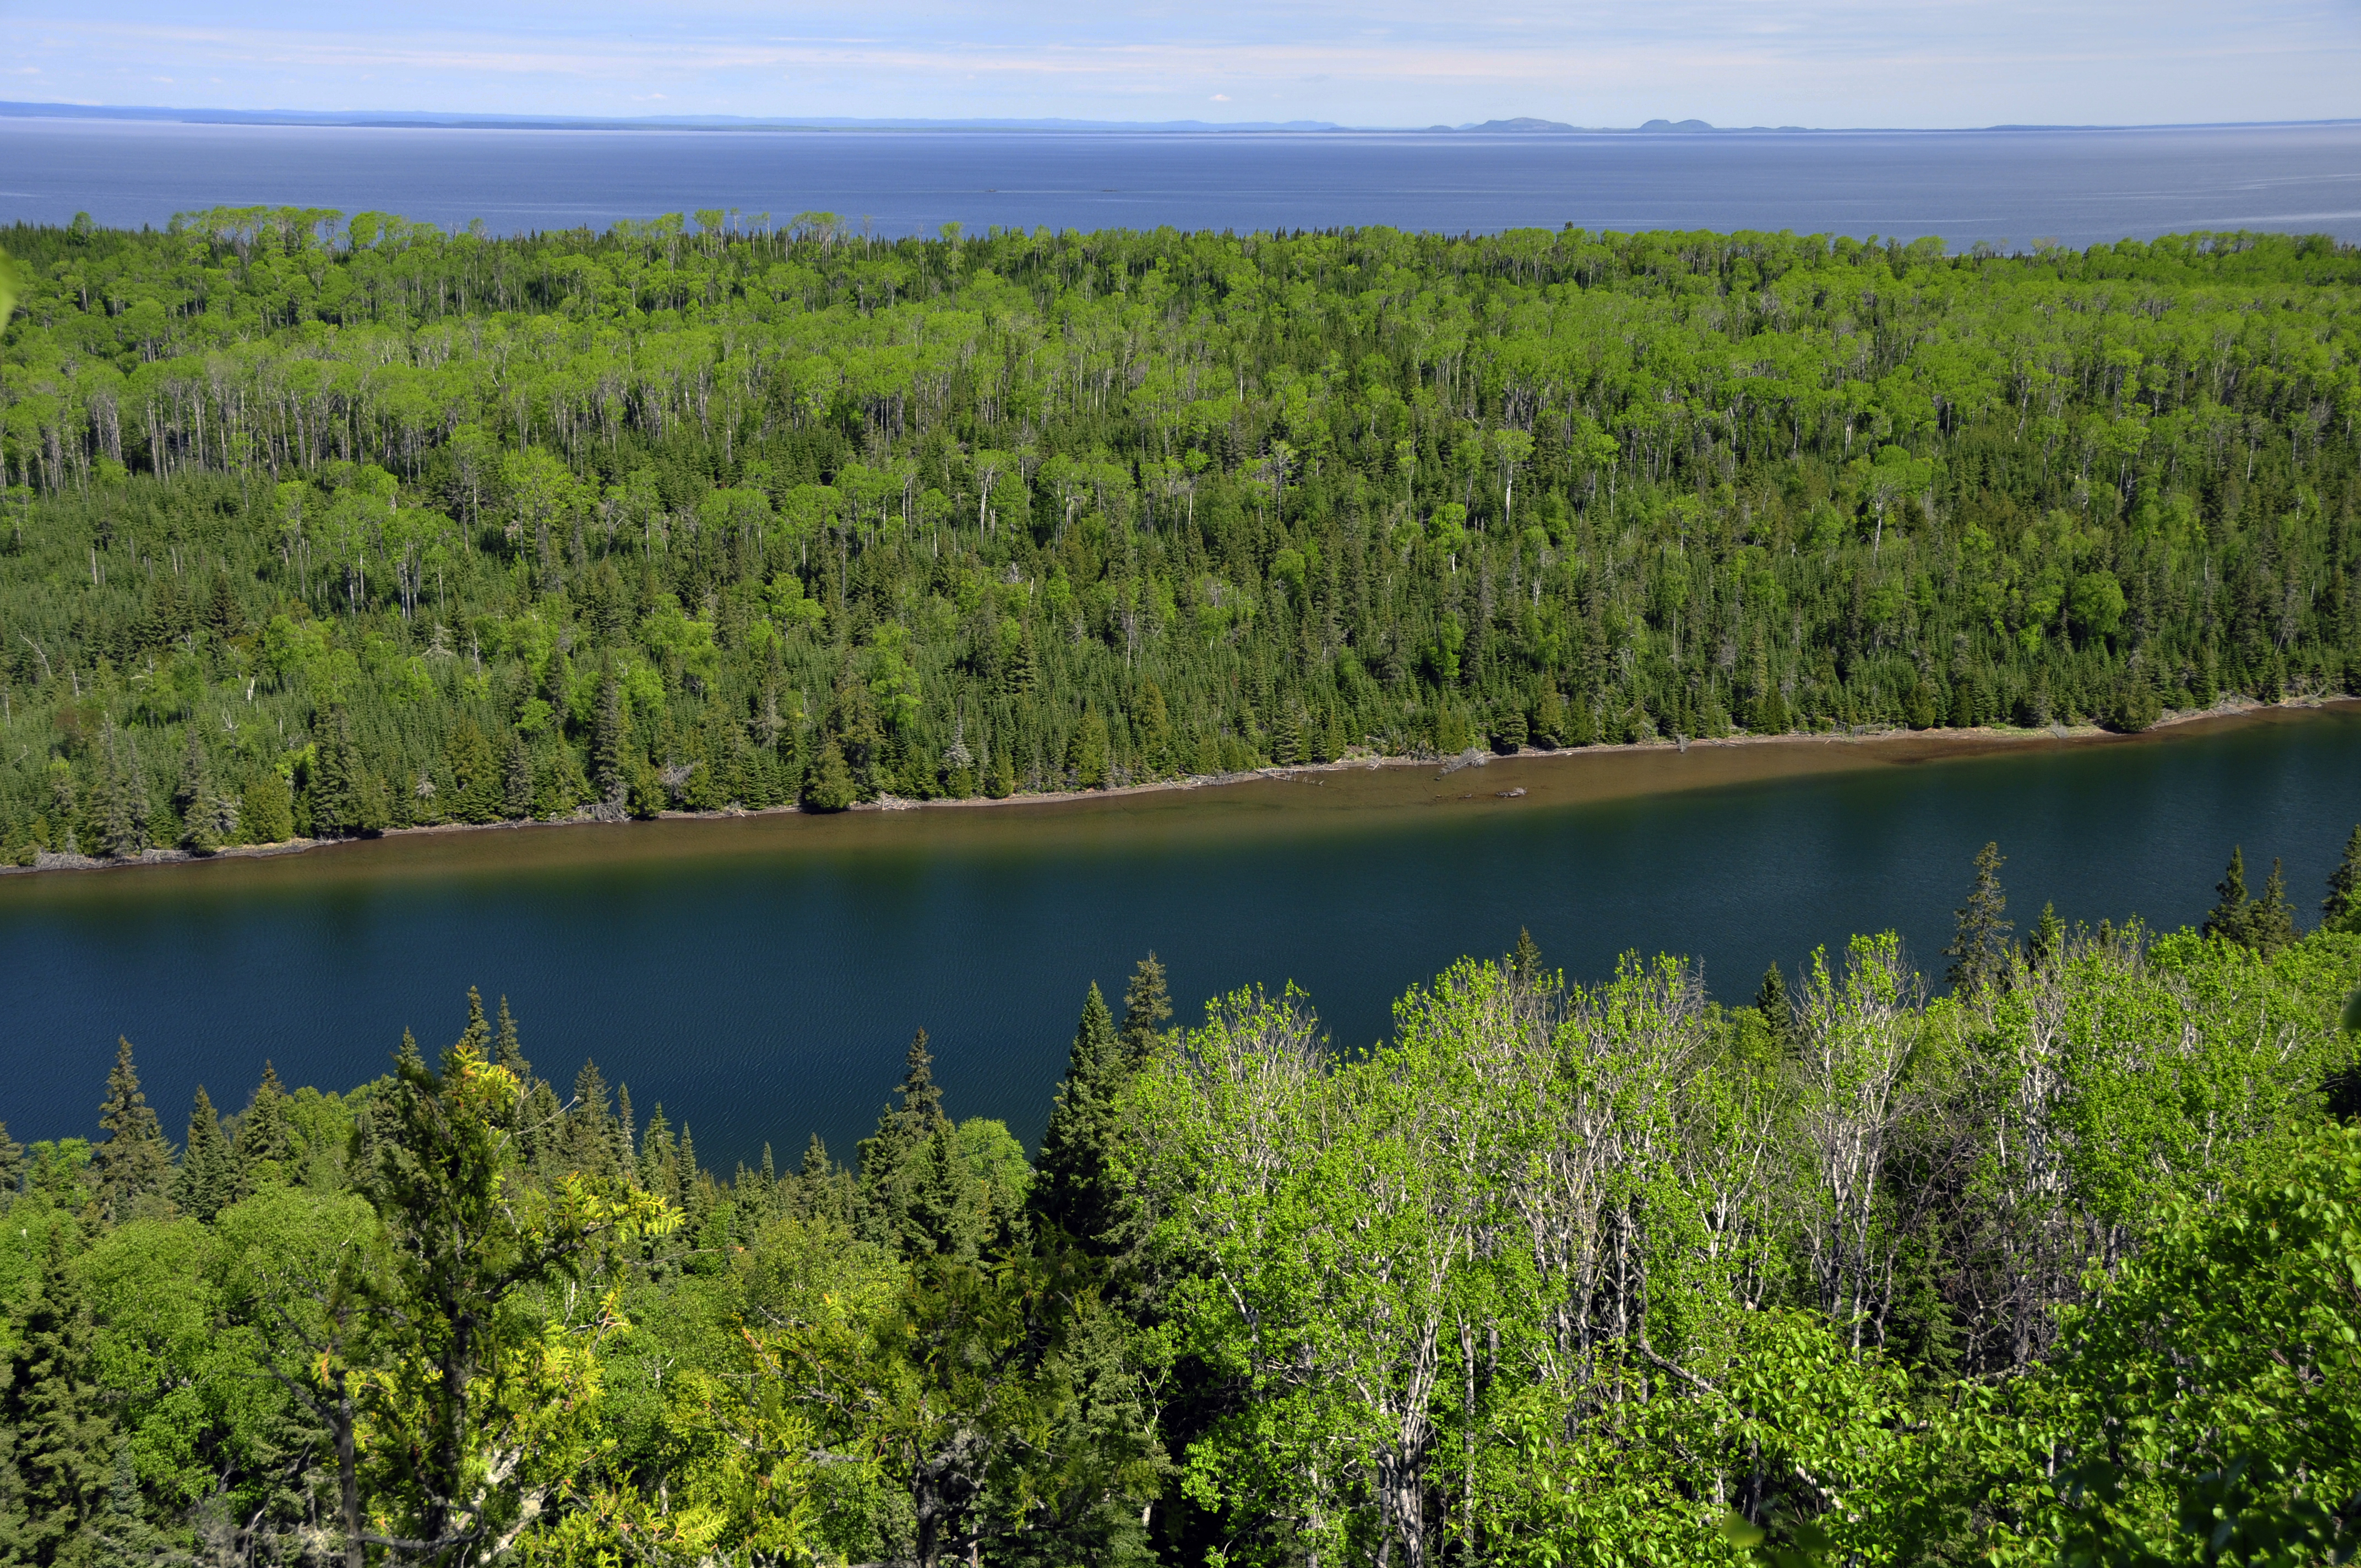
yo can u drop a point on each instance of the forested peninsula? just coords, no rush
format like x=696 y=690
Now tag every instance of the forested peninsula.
x=2056 y=1268
x=320 y=527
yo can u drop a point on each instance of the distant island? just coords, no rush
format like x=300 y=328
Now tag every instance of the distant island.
x=409 y=119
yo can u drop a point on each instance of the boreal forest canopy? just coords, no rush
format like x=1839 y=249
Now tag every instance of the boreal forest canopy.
x=2058 y=1267
x=316 y=526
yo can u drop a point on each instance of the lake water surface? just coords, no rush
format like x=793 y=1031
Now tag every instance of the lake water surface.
x=2010 y=188
x=761 y=977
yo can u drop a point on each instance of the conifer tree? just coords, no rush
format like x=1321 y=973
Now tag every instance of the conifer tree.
x=475 y=1039
x=607 y=771
x=134 y=1166
x=12 y=1167
x=2231 y=910
x=54 y=1409
x=896 y=1160
x=1147 y=1003
x=208 y=1178
x=516 y=780
x=1771 y=1001
x=264 y=1143
x=626 y=1131
x=830 y=785
x=121 y=1534
x=1980 y=947
x=2047 y=941
x=1070 y=1180
x=587 y=1145
x=507 y=1051
x=198 y=804
x=2270 y=919
x=2341 y=907
x=332 y=788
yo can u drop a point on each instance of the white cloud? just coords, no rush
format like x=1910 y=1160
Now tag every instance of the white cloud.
x=1363 y=62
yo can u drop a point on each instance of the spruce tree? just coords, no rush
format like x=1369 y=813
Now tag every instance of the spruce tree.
x=475 y=1039
x=265 y=1143
x=2342 y=908
x=208 y=1179
x=507 y=1051
x=1980 y=947
x=1771 y=1001
x=516 y=780
x=12 y=1167
x=830 y=786
x=196 y=800
x=334 y=790
x=1070 y=1180
x=134 y=1166
x=1147 y=1003
x=122 y=1533
x=626 y=1133
x=895 y=1159
x=606 y=745
x=587 y=1142
x=56 y=1412
x=2270 y=919
x=2231 y=909
x=2046 y=942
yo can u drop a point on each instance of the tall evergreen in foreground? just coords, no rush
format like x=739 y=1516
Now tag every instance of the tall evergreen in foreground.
x=207 y=1181
x=1979 y=945
x=134 y=1166
x=61 y=1460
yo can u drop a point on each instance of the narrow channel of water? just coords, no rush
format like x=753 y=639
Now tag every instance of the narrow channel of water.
x=761 y=977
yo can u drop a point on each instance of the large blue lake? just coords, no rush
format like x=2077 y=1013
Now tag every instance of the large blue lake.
x=761 y=977
x=2009 y=188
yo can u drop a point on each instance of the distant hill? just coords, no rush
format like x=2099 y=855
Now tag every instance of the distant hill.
x=1522 y=125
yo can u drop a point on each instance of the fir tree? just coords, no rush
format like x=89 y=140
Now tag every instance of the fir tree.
x=830 y=785
x=626 y=1133
x=121 y=1533
x=507 y=1051
x=197 y=801
x=1772 y=1002
x=134 y=1166
x=265 y=1143
x=1070 y=1180
x=587 y=1142
x=1979 y=949
x=2341 y=907
x=2046 y=942
x=475 y=1039
x=607 y=769
x=1525 y=958
x=2270 y=919
x=2232 y=909
x=1147 y=1003
x=54 y=1408
x=208 y=1179
x=516 y=780
x=897 y=1160
x=334 y=792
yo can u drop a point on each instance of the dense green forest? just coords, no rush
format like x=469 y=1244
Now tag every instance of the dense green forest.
x=2063 y=1266
x=315 y=526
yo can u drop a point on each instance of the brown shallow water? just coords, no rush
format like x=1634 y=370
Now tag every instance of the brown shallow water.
x=760 y=976
x=1350 y=796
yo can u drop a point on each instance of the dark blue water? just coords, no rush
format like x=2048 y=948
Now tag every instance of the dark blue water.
x=2007 y=188
x=761 y=979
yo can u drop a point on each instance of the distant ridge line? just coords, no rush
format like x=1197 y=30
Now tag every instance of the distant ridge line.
x=398 y=119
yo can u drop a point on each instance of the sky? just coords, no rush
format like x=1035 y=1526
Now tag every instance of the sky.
x=1372 y=62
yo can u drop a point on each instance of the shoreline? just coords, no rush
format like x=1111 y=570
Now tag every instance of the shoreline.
x=1921 y=745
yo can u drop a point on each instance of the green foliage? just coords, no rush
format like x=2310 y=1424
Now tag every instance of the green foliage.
x=385 y=527
x=2058 y=1269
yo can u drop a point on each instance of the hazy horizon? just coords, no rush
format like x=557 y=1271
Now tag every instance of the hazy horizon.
x=1833 y=65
